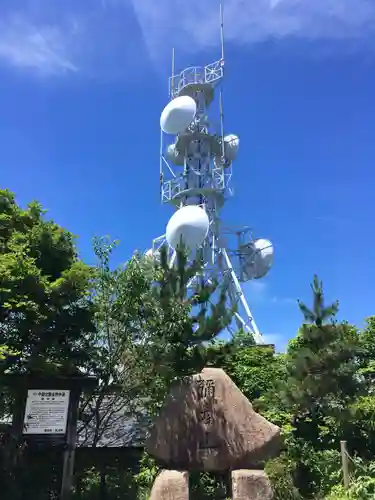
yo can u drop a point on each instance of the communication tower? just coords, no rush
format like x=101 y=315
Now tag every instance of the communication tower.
x=196 y=160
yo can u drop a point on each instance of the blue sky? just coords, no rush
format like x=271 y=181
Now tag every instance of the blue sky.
x=82 y=86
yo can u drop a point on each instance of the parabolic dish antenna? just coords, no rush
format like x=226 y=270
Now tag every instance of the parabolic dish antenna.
x=190 y=225
x=178 y=114
x=257 y=259
x=152 y=254
x=174 y=155
x=231 y=145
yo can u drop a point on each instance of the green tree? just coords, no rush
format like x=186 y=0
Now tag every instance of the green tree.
x=242 y=339
x=184 y=320
x=367 y=370
x=46 y=319
x=322 y=364
x=361 y=431
x=45 y=312
x=119 y=296
x=255 y=369
x=320 y=313
x=322 y=383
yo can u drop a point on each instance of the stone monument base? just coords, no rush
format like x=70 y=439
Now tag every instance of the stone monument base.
x=246 y=485
x=251 y=485
x=171 y=485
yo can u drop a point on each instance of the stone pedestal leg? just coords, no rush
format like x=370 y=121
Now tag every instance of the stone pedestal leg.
x=171 y=485
x=251 y=485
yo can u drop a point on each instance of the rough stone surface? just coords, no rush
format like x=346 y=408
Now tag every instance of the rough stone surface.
x=171 y=485
x=208 y=424
x=251 y=485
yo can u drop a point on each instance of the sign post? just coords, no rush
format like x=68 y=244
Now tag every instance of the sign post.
x=47 y=414
x=55 y=412
x=69 y=453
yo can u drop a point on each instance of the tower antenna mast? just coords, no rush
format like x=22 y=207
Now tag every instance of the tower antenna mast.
x=196 y=162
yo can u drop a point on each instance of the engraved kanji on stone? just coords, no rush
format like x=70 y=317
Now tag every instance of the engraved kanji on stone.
x=210 y=388
x=208 y=442
x=206 y=388
x=206 y=417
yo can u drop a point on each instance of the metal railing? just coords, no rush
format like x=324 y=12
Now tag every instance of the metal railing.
x=209 y=74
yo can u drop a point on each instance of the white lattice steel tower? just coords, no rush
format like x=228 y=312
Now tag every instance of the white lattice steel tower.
x=195 y=175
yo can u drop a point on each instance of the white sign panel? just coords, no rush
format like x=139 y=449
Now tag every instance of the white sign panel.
x=46 y=411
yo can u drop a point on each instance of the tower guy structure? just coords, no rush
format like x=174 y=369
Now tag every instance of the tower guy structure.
x=196 y=164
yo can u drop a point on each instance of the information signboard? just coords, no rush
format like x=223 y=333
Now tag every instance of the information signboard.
x=46 y=411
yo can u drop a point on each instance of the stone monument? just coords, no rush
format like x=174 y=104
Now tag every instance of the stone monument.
x=207 y=424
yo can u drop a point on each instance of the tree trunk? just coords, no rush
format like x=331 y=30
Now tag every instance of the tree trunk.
x=103 y=484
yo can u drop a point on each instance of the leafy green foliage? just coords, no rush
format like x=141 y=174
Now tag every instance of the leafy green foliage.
x=322 y=366
x=319 y=391
x=281 y=472
x=109 y=483
x=179 y=321
x=120 y=298
x=209 y=486
x=255 y=369
x=45 y=314
x=46 y=317
x=319 y=313
x=5 y=353
x=362 y=486
x=146 y=476
x=188 y=320
x=367 y=369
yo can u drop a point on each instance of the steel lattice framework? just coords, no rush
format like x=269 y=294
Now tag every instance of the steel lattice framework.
x=196 y=171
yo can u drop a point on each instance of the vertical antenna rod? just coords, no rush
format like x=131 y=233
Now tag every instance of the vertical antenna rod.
x=222 y=125
x=222 y=31
x=221 y=92
x=172 y=79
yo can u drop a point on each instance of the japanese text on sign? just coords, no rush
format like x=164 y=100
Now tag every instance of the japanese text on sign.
x=46 y=411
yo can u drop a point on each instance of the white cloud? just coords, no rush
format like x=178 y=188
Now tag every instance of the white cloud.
x=195 y=24
x=42 y=48
x=35 y=45
x=118 y=36
x=51 y=37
